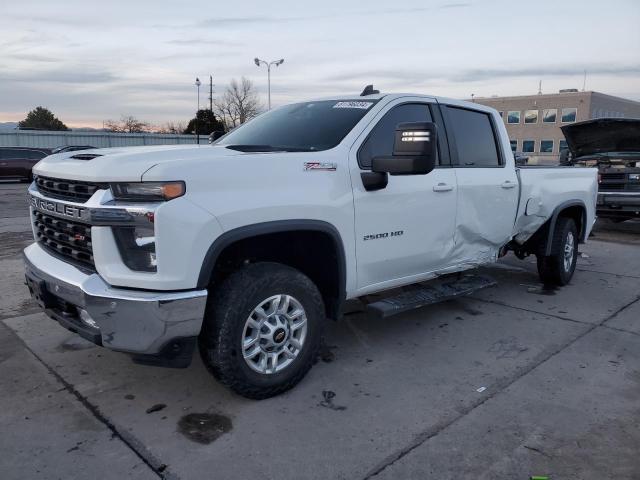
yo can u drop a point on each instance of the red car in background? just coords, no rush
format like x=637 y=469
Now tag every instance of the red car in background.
x=16 y=162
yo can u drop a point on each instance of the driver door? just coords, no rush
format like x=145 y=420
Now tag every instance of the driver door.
x=404 y=231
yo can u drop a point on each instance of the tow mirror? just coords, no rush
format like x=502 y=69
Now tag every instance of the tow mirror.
x=414 y=150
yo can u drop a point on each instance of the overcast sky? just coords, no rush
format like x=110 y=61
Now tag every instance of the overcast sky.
x=90 y=61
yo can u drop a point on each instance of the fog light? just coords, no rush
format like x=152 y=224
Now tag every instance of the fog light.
x=86 y=318
x=137 y=246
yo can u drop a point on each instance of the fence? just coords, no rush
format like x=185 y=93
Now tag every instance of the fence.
x=52 y=139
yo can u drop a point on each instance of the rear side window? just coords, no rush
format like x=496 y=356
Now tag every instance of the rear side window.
x=35 y=155
x=380 y=140
x=474 y=137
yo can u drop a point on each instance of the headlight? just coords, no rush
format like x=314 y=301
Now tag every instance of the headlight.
x=634 y=177
x=148 y=191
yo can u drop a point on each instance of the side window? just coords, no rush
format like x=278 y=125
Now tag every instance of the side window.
x=380 y=140
x=36 y=155
x=474 y=137
x=13 y=154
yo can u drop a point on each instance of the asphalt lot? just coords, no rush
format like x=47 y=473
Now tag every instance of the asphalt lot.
x=512 y=382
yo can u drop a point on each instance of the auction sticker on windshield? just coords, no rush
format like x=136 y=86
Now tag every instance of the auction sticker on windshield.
x=362 y=105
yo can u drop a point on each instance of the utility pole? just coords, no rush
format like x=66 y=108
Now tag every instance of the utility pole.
x=584 y=81
x=540 y=87
x=211 y=93
x=197 y=110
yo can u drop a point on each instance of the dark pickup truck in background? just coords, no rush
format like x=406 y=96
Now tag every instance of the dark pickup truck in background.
x=16 y=162
x=613 y=145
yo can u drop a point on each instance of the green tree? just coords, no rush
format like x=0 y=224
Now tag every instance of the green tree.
x=42 y=119
x=207 y=123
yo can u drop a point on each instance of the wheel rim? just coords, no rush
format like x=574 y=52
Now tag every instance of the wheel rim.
x=274 y=334
x=569 y=247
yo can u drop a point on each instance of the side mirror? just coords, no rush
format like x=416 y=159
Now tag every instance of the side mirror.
x=414 y=150
x=216 y=134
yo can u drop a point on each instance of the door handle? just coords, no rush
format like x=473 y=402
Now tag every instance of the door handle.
x=3 y=164
x=442 y=187
x=508 y=184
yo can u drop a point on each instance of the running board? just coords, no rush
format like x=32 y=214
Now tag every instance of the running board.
x=436 y=291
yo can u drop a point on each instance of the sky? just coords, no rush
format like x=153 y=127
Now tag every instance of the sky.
x=91 y=61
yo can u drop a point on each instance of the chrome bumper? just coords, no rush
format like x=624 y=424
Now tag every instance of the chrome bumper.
x=134 y=321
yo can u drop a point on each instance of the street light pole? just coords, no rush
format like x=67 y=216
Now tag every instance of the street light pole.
x=198 y=83
x=277 y=63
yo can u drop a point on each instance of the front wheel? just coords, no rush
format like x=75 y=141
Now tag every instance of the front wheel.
x=558 y=268
x=262 y=329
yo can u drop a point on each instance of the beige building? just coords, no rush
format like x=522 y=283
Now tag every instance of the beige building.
x=533 y=121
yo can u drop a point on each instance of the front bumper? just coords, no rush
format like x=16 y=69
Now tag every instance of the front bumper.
x=143 y=323
x=618 y=204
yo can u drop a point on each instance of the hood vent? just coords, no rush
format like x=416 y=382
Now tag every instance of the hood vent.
x=85 y=156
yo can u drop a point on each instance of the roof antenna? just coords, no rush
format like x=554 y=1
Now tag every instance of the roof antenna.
x=368 y=90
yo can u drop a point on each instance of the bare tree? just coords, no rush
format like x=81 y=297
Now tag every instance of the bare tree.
x=238 y=104
x=126 y=124
x=171 y=127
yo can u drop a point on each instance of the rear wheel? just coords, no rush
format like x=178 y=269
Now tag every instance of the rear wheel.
x=558 y=268
x=262 y=329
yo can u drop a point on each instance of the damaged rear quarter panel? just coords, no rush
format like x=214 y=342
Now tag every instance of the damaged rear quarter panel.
x=542 y=189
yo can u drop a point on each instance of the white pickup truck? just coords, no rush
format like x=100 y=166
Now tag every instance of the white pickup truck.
x=246 y=247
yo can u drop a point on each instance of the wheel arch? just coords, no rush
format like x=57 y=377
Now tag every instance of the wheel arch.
x=300 y=227
x=574 y=209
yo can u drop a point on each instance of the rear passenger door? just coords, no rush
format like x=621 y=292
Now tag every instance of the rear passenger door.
x=487 y=189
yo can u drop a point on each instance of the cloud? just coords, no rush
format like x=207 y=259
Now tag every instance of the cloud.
x=32 y=57
x=76 y=74
x=473 y=75
x=190 y=42
x=454 y=5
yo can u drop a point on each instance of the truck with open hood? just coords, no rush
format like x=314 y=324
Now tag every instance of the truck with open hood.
x=245 y=247
x=613 y=146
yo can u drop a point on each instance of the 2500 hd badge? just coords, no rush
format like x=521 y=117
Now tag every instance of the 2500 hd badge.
x=376 y=236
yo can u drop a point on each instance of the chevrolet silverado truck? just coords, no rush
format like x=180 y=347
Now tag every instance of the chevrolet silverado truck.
x=244 y=248
x=613 y=146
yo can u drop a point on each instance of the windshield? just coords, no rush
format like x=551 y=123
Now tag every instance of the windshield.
x=308 y=127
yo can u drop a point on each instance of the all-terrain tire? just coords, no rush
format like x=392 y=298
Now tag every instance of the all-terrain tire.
x=228 y=309
x=557 y=269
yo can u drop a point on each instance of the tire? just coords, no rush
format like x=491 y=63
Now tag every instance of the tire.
x=558 y=268
x=254 y=291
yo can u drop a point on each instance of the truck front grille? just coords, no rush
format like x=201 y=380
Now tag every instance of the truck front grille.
x=69 y=239
x=67 y=189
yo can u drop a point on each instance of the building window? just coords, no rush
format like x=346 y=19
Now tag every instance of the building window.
x=528 y=146
x=569 y=115
x=563 y=145
x=513 y=117
x=546 y=146
x=514 y=145
x=531 y=116
x=549 y=115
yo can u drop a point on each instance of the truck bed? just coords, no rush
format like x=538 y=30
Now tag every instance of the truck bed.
x=543 y=189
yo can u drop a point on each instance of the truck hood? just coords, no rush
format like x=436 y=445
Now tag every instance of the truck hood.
x=603 y=135
x=126 y=164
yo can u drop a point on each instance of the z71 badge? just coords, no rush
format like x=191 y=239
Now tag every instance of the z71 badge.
x=377 y=236
x=322 y=166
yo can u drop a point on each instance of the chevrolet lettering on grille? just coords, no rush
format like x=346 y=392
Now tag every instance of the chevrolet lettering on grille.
x=56 y=208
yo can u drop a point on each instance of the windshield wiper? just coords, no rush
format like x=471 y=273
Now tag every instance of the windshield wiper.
x=269 y=148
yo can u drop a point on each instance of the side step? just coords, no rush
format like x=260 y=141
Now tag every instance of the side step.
x=436 y=291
